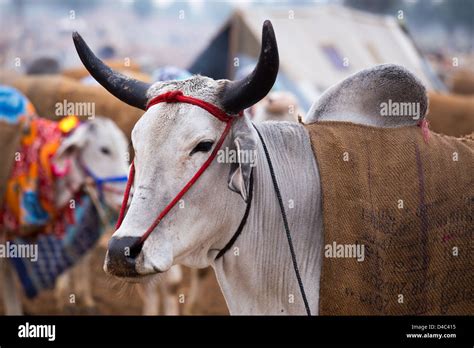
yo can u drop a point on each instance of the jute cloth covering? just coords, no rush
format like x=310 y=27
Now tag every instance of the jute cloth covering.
x=409 y=202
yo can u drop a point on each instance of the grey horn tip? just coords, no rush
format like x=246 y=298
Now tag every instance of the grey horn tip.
x=267 y=24
x=268 y=28
x=76 y=36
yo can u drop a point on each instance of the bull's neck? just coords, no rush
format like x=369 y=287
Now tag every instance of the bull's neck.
x=256 y=274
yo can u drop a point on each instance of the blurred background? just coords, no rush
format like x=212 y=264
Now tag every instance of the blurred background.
x=338 y=37
x=320 y=43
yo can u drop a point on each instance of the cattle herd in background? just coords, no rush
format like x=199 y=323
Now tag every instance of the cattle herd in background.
x=449 y=113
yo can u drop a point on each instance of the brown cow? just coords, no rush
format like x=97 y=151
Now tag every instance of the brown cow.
x=451 y=114
x=461 y=82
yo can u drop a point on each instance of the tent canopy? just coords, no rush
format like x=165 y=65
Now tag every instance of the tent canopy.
x=318 y=45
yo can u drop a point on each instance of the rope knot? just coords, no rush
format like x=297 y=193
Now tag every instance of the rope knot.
x=170 y=97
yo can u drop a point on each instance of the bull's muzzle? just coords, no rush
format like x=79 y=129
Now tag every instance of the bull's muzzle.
x=122 y=256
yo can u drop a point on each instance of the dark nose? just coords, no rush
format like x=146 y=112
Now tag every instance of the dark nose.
x=122 y=254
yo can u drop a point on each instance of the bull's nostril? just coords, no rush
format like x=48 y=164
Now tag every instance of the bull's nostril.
x=136 y=248
x=122 y=254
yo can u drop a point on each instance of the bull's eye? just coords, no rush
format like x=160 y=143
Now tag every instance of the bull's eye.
x=105 y=150
x=203 y=146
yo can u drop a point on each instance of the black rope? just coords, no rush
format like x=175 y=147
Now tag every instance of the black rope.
x=285 y=223
x=242 y=222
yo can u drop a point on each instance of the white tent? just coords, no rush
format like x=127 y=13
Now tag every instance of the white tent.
x=319 y=46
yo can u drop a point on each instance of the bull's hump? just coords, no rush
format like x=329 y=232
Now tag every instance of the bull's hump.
x=386 y=95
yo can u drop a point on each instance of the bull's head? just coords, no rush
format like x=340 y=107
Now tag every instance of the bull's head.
x=171 y=142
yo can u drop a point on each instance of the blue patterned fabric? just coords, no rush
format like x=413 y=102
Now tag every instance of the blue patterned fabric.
x=56 y=255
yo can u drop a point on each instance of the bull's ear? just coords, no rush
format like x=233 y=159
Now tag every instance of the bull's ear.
x=245 y=146
x=74 y=142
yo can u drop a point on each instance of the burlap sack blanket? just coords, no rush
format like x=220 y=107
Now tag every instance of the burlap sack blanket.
x=410 y=204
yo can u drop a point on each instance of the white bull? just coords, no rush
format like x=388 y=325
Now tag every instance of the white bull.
x=172 y=141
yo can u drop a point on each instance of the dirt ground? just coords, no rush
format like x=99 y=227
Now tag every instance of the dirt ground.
x=113 y=297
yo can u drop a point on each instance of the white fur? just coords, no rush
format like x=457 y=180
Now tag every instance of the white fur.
x=84 y=146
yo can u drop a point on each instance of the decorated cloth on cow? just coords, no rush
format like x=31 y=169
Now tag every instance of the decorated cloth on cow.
x=56 y=255
x=408 y=203
x=29 y=205
x=14 y=107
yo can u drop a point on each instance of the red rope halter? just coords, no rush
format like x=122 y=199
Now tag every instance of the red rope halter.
x=178 y=97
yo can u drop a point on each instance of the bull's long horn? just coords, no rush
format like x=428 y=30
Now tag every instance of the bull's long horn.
x=239 y=95
x=128 y=90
